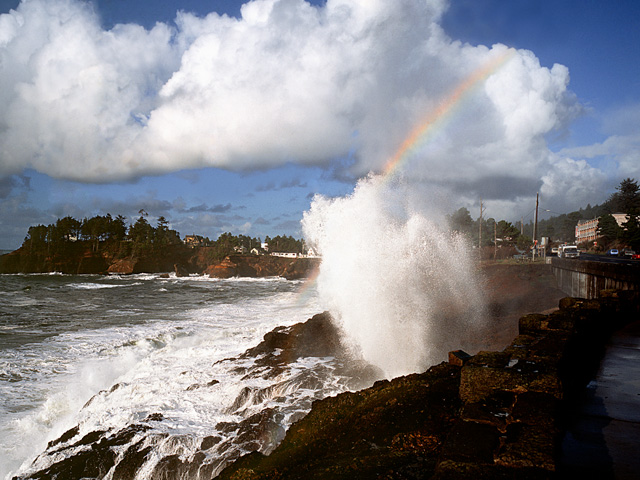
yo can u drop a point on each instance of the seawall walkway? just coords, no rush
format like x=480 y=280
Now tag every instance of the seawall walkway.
x=604 y=441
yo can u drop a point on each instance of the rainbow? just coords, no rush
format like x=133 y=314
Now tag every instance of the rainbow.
x=437 y=117
x=421 y=132
x=304 y=291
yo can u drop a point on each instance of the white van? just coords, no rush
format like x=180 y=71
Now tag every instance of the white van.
x=568 y=251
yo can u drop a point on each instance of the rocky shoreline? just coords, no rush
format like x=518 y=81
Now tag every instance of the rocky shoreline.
x=497 y=414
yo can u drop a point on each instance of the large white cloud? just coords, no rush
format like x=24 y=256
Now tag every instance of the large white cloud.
x=286 y=82
x=71 y=91
x=619 y=153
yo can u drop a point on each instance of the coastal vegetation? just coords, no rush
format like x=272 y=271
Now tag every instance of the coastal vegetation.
x=625 y=200
x=561 y=228
x=100 y=233
x=106 y=243
x=105 y=232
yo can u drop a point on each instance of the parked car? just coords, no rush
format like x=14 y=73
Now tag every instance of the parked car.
x=628 y=253
x=613 y=252
x=635 y=256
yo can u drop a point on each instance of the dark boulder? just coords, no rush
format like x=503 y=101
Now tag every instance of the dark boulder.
x=180 y=270
x=317 y=337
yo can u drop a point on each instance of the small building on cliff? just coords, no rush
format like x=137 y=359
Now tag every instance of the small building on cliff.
x=194 y=240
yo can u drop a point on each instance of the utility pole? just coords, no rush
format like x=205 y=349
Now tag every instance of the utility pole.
x=535 y=229
x=495 y=240
x=480 y=226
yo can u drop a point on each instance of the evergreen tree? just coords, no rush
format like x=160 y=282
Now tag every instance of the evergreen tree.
x=161 y=234
x=627 y=198
x=118 y=228
x=36 y=240
x=630 y=235
x=609 y=228
x=141 y=234
x=461 y=221
x=507 y=232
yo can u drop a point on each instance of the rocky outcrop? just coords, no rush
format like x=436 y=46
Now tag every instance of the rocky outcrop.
x=492 y=415
x=121 y=454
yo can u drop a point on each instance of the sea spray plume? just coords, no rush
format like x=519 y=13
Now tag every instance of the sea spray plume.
x=390 y=275
x=402 y=286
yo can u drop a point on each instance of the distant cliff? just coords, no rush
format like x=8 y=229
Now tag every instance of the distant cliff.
x=262 y=266
x=80 y=258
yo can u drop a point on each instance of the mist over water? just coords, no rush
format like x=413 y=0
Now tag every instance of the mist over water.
x=401 y=285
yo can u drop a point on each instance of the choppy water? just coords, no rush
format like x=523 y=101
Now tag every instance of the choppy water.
x=103 y=352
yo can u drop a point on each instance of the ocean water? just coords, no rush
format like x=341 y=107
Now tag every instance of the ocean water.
x=100 y=353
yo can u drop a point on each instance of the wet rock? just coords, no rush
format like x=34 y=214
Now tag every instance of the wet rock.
x=496 y=410
x=393 y=426
x=94 y=463
x=65 y=437
x=471 y=442
x=262 y=431
x=89 y=438
x=317 y=337
x=180 y=270
x=200 y=385
x=132 y=460
x=90 y=457
x=528 y=446
x=458 y=357
x=498 y=416
x=170 y=468
x=209 y=442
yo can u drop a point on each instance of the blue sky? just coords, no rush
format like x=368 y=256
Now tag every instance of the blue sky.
x=234 y=124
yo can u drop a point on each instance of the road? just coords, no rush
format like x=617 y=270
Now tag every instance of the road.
x=608 y=259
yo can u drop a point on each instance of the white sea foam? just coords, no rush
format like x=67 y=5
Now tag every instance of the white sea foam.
x=392 y=273
x=108 y=378
x=93 y=286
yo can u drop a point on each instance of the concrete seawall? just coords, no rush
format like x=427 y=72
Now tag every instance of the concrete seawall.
x=585 y=279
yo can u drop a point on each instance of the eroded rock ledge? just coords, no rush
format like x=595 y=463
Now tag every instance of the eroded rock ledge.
x=491 y=415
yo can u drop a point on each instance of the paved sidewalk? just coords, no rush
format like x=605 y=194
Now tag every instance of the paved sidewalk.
x=605 y=442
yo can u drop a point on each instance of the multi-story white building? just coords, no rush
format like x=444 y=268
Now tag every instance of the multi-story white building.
x=587 y=230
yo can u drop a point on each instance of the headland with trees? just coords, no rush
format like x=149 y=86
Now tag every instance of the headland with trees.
x=106 y=243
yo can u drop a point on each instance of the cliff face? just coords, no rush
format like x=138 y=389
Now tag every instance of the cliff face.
x=80 y=259
x=263 y=266
x=77 y=259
